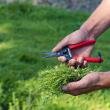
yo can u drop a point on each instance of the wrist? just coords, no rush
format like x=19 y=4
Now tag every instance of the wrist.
x=88 y=32
x=105 y=79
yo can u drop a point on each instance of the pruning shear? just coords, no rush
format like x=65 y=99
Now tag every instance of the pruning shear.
x=66 y=51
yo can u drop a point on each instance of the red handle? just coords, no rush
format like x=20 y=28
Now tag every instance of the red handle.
x=89 y=59
x=82 y=44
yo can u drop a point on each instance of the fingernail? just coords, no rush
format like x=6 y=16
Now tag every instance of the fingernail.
x=64 y=88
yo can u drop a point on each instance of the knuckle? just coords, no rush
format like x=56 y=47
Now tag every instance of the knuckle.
x=80 y=59
x=70 y=87
x=72 y=62
x=59 y=43
x=85 y=63
x=61 y=59
x=68 y=37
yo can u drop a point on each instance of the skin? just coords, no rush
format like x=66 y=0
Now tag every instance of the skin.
x=91 y=82
x=95 y=25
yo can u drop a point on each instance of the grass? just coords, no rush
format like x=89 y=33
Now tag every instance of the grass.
x=23 y=35
x=51 y=80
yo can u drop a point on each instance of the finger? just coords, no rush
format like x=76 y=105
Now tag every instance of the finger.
x=70 y=63
x=61 y=44
x=84 y=91
x=70 y=86
x=84 y=64
x=89 y=89
x=80 y=61
x=76 y=85
x=62 y=59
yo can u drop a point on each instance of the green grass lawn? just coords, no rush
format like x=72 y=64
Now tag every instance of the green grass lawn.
x=25 y=31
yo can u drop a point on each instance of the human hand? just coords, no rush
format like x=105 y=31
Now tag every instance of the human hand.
x=91 y=82
x=74 y=38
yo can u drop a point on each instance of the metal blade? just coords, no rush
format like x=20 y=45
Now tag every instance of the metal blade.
x=54 y=55
x=47 y=52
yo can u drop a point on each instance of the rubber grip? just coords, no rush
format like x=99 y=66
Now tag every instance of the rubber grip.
x=82 y=44
x=90 y=59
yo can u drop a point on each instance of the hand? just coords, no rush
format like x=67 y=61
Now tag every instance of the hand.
x=91 y=82
x=74 y=38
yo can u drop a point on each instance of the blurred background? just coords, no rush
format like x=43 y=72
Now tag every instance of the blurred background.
x=79 y=5
x=29 y=27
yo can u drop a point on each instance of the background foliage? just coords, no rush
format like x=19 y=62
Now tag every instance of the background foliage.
x=27 y=30
x=79 y=5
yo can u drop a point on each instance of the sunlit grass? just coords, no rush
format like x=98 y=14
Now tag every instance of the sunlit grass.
x=5 y=45
x=4 y=28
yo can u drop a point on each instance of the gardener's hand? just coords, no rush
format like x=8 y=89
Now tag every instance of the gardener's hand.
x=74 y=38
x=91 y=82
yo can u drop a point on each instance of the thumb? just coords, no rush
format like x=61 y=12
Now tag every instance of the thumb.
x=60 y=45
x=73 y=38
x=75 y=85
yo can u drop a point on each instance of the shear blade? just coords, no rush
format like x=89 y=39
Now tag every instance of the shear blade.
x=47 y=52
x=52 y=54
